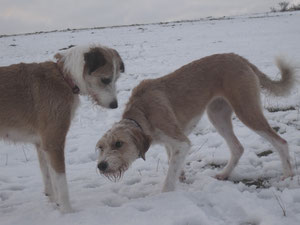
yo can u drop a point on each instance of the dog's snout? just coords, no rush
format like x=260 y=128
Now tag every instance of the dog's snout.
x=102 y=166
x=113 y=104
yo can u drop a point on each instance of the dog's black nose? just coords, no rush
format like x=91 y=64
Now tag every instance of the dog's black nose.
x=113 y=104
x=102 y=166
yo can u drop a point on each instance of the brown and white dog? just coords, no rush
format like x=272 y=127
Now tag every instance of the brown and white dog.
x=165 y=110
x=38 y=101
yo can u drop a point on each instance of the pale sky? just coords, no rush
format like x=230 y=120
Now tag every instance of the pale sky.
x=22 y=16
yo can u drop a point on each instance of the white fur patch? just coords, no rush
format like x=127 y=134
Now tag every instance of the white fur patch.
x=74 y=106
x=60 y=189
x=44 y=165
x=106 y=95
x=74 y=63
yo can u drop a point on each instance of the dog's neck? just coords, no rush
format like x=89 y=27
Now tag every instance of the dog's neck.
x=71 y=83
x=134 y=122
x=137 y=118
x=68 y=79
x=147 y=138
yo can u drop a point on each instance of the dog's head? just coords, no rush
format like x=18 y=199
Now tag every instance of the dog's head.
x=119 y=147
x=95 y=70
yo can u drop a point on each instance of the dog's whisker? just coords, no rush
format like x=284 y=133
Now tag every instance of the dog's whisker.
x=97 y=171
x=120 y=174
x=116 y=175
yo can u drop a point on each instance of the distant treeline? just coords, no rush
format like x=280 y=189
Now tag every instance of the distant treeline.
x=285 y=6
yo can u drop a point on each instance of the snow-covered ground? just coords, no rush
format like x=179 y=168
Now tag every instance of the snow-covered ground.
x=254 y=194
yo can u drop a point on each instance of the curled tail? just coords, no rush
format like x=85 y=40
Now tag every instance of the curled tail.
x=280 y=87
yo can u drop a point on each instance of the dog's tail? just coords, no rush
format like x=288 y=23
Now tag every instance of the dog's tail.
x=280 y=87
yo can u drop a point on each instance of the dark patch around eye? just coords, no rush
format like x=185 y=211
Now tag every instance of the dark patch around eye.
x=105 y=80
x=93 y=60
x=118 y=144
x=100 y=148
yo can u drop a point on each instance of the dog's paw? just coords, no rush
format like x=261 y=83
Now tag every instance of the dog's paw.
x=182 y=177
x=66 y=209
x=50 y=197
x=286 y=177
x=221 y=176
x=287 y=173
x=168 y=187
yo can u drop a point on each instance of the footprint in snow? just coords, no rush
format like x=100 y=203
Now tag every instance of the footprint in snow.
x=91 y=185
x=112 y=202
x=4 y=196
x=133 y=181
x=143 y=208
x=15 y=188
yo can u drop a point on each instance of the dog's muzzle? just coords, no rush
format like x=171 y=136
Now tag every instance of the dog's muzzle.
x=114 y=104
x=102 y=166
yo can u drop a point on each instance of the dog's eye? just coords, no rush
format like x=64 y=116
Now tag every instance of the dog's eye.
x=105 y=80
x=118 y=144
x=99 y=148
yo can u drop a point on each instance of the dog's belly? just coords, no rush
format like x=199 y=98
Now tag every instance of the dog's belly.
x=191 y=125
x=16 y=135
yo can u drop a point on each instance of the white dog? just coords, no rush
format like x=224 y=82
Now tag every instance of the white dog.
x=165 y=110
x=38 y=101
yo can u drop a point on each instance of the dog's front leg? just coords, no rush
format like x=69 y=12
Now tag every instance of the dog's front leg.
x=182 y=177
x=61 y=192
x=44 y=165
x=177 y=152
x=53 y=147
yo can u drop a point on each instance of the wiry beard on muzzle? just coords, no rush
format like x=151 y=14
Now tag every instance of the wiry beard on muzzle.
x=115 y=176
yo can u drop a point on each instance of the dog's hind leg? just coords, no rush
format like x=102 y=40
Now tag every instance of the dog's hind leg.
x=247 y=107
x=219 y=112
x=44 y=165
x=262 y=128
x=282 y=148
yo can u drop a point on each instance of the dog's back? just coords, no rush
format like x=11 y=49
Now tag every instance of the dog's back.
x=191 y=87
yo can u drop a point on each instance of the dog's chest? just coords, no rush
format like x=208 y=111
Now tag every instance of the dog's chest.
x=75 y=106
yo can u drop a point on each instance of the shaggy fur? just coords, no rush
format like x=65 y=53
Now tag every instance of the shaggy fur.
x=38 y=101
x=165 y=110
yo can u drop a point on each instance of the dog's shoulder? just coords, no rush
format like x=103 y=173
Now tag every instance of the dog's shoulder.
x=46 y=69
x=45 y=78
x=146 y=87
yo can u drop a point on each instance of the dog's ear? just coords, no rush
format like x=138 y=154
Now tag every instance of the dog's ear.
x=142 y=142
x=93 y=60
x=122 y=66
x=58 y=57
x=59 y=61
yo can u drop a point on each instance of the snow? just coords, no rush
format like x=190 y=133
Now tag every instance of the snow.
x=254 y=194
